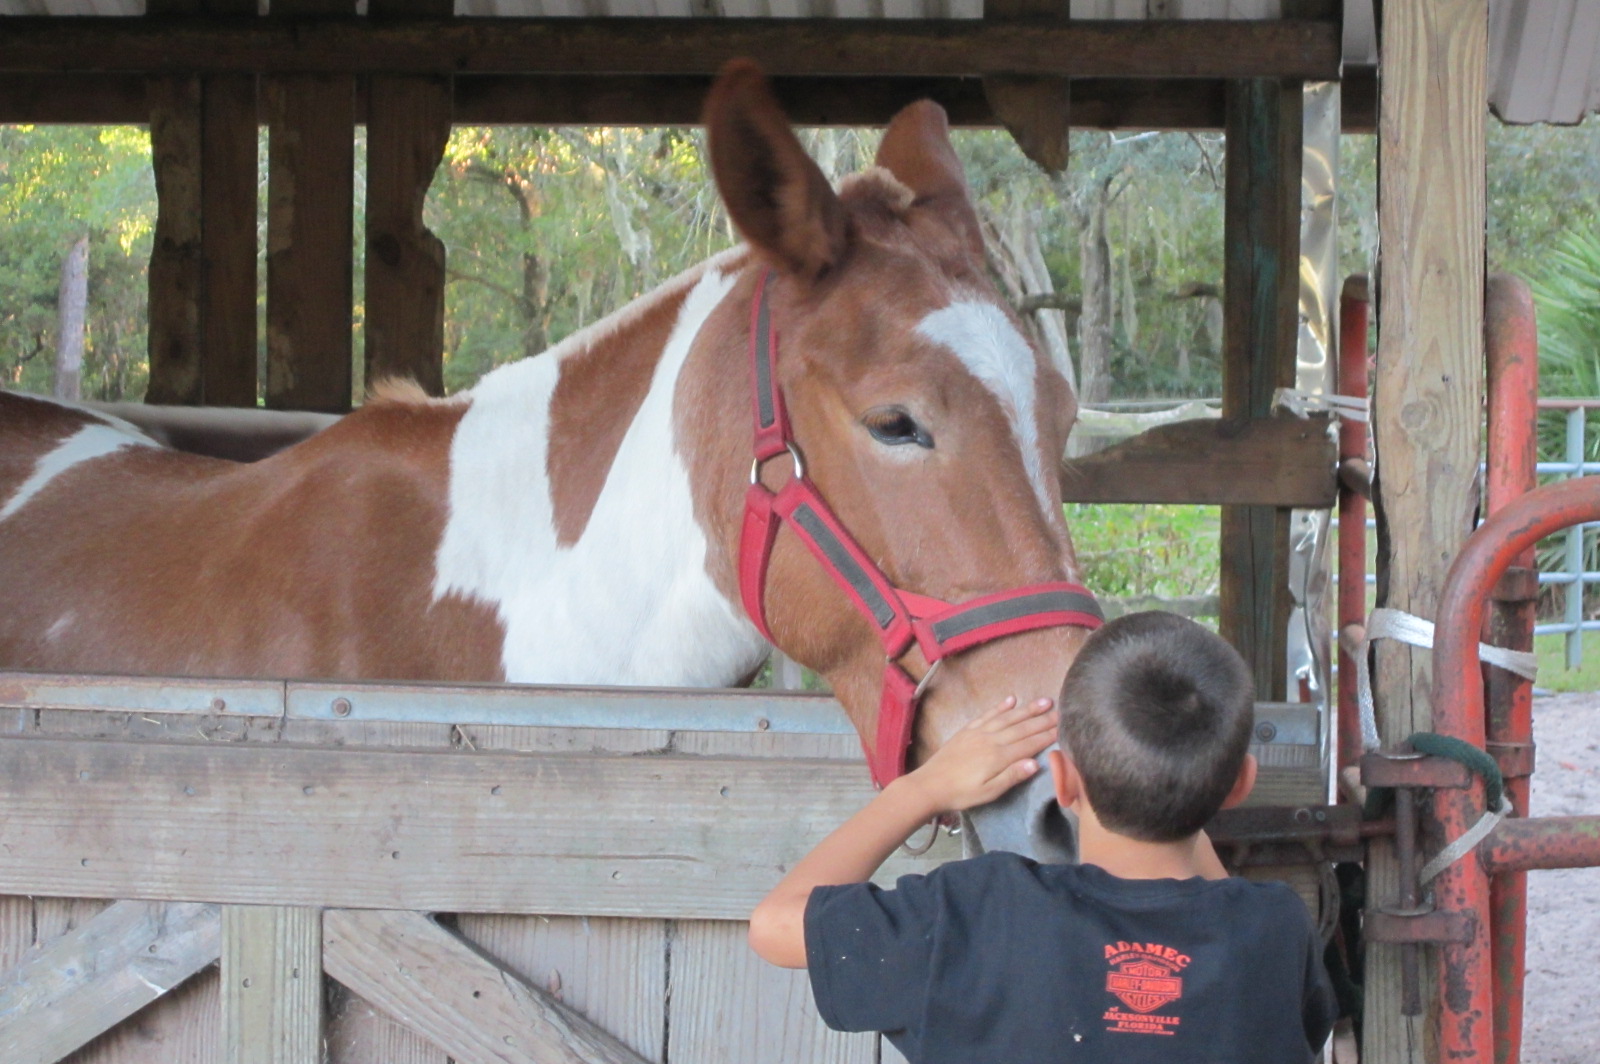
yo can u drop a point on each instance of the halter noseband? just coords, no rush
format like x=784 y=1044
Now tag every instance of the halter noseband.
x=901 y=617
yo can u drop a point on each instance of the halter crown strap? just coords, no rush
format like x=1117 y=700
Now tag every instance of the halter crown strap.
x=901 y=618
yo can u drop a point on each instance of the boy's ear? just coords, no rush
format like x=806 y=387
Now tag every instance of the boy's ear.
x=1243 y=785
x=1069 y=785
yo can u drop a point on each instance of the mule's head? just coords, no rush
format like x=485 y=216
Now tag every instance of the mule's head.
x=926 y=417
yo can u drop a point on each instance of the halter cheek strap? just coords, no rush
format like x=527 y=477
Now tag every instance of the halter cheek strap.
x=901 y=618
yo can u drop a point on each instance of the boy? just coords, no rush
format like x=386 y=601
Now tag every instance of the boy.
x=1145 y=952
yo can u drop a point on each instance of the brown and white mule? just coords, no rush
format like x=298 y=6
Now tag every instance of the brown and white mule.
x=576 y=517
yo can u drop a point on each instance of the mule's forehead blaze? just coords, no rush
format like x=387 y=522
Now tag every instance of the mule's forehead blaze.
x=997 y=354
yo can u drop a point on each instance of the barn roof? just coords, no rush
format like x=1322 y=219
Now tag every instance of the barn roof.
x=1544 y=55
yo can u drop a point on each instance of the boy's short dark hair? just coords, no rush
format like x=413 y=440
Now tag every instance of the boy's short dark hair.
x=1156 y=714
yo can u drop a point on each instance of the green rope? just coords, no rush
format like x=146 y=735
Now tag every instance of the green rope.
x=1477 y=761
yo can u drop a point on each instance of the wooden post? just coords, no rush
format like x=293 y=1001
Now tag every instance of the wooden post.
x=1427 y=398
x=271 y=985
x=1262 y=235
x=408 y=124
x=202 y=337
x=310 y=219
x=174 y=337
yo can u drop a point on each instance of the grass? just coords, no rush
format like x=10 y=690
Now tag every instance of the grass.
x=1553 y=672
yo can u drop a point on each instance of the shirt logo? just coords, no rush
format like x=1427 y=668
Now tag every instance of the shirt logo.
x=1143 y=976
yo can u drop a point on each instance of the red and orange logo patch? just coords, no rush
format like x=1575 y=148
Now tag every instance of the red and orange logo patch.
x=1144 y=977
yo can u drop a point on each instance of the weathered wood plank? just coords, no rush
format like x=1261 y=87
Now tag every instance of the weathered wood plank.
x=86 y=982
x=175 y=281
x=1427 y=401
x=229 y=187
x=311 y=164
x=455 y=832
x=1289 y=48
x=612 y=971
x=676 y=100
x=1261 y=316
x=470 y=1006
x=408 y=123
x=730 y=1007
x=271 y=985
x=1278 y=462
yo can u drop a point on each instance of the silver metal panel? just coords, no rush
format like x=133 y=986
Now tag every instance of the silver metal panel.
x=1544 y=59
x=250 y=698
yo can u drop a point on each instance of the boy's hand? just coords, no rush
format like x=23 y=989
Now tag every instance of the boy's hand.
x=987 y=758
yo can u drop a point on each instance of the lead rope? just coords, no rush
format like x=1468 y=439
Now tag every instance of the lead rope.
x=1414 y=631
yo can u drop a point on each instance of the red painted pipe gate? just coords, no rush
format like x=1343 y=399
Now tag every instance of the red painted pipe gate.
x=1478 y=913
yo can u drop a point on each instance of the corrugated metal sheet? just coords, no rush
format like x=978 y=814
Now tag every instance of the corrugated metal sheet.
x=1544 y=55
x=1544 y=59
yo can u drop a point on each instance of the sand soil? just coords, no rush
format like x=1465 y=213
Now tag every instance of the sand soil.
x=1561 y=1019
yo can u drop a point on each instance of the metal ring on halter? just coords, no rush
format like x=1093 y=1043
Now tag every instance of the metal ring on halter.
x=794 y=454
x=933 y=837
x=927 y=677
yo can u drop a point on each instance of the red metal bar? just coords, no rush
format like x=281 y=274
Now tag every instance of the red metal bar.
x=1512 y=343
x=1466 y=1019
x=1353 y=370
x=1547 y=842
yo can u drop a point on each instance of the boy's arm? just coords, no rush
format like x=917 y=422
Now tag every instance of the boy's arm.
x=980 y=763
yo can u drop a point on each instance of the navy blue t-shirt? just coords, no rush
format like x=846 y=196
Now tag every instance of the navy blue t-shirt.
x=999 y=960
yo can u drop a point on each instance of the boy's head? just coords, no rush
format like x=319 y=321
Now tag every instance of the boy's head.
x=1156 y=716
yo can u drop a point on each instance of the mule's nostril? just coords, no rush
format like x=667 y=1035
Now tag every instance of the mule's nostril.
x=1055 y=834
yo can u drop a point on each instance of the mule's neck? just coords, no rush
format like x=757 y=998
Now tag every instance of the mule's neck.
x=572 y=509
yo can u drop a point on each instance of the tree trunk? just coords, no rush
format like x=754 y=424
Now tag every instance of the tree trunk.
x=1094 y=326
x=72 y=304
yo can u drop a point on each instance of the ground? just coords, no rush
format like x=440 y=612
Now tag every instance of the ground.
x=1561 y=1024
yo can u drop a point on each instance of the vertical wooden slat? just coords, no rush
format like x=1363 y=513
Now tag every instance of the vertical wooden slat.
x=271 y=985
x=311 y=164
x=229 y=183
x=175 y=258
x=1262 y=236
x=408 y=123
x=1427 y=397
x=731 y=1007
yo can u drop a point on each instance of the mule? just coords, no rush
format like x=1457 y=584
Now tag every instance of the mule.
x=577 y=517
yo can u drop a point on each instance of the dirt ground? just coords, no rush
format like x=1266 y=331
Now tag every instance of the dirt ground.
x=1561 y=1017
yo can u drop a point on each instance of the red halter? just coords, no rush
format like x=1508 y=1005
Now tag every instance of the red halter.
x=901 y=617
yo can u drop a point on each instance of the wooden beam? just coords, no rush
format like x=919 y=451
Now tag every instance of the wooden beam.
x=1273 y=462
x=473 y=1008
x=676 y=100
x=451 y=831
x=310 y=218
x=1427 y=405
x=91 y=979
x=228 y=242
x=1287 y=48
x=271 y=985
x=408 y=124
x=175 y=280
x=1261 y=318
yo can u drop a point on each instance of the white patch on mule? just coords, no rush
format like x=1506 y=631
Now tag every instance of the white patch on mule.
x=630 y=602
x=87 y=444
x=992 y=349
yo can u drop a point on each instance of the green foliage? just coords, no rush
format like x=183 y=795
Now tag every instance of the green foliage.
x=1551 y=651
x=1128 y=551
x=58 y=184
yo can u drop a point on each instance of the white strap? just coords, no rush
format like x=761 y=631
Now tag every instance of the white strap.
x=1468 y=841
x=1303 y=404
x=1413 y=630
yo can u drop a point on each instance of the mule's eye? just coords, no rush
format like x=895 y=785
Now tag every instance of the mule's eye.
x=894 y=426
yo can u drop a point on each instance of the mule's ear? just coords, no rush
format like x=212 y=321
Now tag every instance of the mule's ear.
x=916 y=149
x=774 y=193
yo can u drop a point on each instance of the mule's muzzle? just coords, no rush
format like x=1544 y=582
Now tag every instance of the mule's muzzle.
x=1025 y=820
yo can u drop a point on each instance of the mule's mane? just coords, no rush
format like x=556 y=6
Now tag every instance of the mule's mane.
x=397 y=390
x=876 y=183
